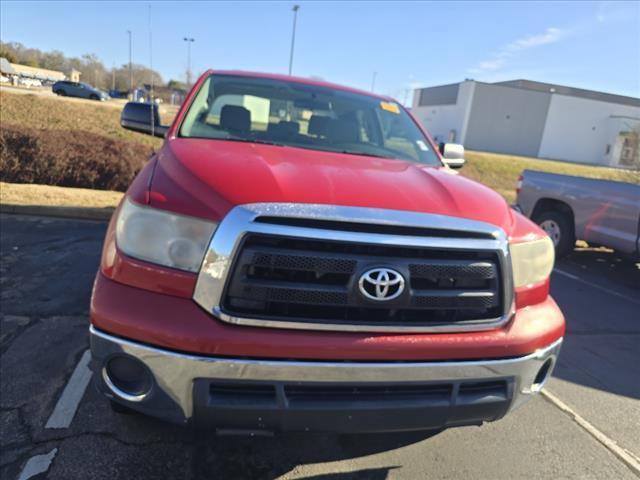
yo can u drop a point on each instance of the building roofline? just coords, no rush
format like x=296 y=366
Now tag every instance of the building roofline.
x=543 y=87
x=571 y=91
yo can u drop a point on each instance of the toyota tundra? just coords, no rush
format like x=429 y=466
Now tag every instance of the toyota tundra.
x=300 y=256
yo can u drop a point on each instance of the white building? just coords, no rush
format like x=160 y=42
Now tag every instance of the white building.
x=534 y=119
x=34 y=73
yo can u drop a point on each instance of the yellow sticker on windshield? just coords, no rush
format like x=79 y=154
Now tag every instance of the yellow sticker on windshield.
x=390 y=107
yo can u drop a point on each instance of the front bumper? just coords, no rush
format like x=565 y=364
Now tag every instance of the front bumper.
x=273 y=395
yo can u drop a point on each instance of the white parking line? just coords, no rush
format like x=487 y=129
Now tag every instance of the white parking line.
x=37 y=465
x=68 y=402
x=627 y=457
x=595 y=285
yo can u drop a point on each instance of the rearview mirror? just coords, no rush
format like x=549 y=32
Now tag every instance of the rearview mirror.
x=452 y=154
x=143 y=118
x=311 y=104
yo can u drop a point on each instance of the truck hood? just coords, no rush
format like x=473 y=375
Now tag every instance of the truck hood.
x=207 y=178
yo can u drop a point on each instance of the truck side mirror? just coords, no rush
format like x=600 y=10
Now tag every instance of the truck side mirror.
x=143 y=118
x=452 y=154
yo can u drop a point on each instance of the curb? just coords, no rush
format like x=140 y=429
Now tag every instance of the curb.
x=78 y=213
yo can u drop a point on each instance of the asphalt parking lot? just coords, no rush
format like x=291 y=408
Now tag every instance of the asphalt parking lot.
x=588 y=427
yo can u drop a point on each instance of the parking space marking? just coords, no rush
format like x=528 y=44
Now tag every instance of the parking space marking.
x=627 y=457
x=68 y=402
x=37 y=465
x=595 y=285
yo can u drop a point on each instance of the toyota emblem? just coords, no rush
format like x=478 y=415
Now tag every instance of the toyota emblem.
x=381 y=284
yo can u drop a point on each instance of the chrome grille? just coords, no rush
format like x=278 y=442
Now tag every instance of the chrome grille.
x=297 y=266
x=294 y=279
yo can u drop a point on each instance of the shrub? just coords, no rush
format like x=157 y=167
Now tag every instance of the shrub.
x=69 y=158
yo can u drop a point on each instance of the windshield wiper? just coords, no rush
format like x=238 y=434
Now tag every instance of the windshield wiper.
x=324 y=148
x=253 y=140
x=353 y=152
x=268 y=142
x=309 y=147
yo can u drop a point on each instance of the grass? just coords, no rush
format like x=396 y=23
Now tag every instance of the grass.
x=45 y=195
x=499 y=172
x=34 y=111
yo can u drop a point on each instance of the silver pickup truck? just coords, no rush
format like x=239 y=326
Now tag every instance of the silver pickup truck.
x=568 y=208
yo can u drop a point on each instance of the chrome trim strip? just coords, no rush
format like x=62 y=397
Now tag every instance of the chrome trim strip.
x=174 y=372
x=240 y=221
x=119 y=392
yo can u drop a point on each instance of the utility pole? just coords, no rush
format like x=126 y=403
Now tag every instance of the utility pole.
x=130 y=66
x=373 y=81
x=189 y=42
x=293 y=36
x=151 y=100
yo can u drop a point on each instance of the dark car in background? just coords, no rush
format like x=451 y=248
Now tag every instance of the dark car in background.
x=78 y=89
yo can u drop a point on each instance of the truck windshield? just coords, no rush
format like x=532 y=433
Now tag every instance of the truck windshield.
x=278 y=112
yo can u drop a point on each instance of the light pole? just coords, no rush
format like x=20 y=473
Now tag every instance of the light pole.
x=293 y=36
x=130 y=66
x=189 y=42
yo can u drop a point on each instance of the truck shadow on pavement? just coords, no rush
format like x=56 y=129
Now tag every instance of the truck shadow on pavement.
x=271 y=457
x=604 y=263
x=369 y=474
x=599 y=294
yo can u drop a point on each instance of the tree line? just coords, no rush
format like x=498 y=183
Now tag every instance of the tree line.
x=91 y=68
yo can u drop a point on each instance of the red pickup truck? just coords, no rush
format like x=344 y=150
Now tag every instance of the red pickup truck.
x=300 y=256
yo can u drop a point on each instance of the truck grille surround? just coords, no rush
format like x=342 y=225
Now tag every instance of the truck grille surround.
x=283 y=278
x=306 y=266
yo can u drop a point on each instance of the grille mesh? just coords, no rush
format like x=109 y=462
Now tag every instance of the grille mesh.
x=294 y=279
x=302 y=262
x=290 y=295
x=482 y=301
x=479 y=270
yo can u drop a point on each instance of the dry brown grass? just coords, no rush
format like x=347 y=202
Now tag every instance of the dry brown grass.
x=501 y=172
x=45 y=195
x=38 y=112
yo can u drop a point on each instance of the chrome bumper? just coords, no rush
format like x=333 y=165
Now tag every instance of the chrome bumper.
x=171 y=396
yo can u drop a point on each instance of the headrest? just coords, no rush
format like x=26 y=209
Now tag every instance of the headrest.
x=283 y=129
x=235 y=118
x=318 y=125
x=343 y=131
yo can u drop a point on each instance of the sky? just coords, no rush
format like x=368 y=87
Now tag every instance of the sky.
x=592 y=45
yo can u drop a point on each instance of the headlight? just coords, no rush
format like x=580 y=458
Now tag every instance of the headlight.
x=161 y=237
x=532 y=261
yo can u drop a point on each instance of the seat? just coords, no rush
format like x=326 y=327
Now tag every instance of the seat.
x=283 y=130
x=235 y=119
x=343 y=131
x=318 y=125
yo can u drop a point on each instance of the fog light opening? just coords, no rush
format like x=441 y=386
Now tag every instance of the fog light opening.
x=542 y=376
x=128 y=378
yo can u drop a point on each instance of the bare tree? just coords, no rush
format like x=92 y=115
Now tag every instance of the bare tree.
x=91 y=68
